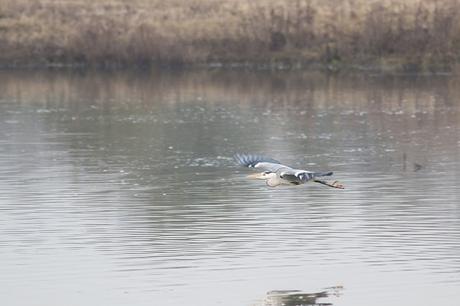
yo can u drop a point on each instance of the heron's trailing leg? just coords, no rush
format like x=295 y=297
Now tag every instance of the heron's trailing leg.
x=334 y=184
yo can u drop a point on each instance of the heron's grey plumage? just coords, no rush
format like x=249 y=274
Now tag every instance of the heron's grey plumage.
x=282 y=174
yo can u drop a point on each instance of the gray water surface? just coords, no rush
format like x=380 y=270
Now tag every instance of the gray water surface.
x=120 y=188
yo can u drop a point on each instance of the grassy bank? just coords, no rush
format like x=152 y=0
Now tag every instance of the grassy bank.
x=393 y=34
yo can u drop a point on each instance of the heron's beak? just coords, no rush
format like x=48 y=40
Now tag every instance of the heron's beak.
x=256 y=176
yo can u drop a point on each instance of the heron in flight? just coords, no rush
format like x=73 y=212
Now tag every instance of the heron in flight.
x=275 y=173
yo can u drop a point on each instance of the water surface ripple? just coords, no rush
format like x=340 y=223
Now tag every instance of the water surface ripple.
x=120 y=189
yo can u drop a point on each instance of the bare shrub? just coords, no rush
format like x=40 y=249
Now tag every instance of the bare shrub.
x=412 y=33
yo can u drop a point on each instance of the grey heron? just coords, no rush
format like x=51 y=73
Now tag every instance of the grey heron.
x=275 y=173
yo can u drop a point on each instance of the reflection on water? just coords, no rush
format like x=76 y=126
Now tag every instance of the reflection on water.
x=294 y=298
x=300 y=298
x=120 y=188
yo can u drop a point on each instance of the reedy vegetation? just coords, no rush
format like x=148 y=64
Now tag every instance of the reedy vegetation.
x=400 y=34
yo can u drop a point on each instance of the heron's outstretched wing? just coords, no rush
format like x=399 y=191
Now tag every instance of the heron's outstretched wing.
x=300 y=176
x=259 y=161
x=291 y=178
x=296 y=176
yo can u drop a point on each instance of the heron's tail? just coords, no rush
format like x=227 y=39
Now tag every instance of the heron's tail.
x=321 y=174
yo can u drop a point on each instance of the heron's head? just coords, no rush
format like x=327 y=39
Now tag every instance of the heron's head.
x=262 y=175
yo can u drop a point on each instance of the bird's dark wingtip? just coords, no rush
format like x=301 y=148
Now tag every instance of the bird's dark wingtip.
x=250 y=160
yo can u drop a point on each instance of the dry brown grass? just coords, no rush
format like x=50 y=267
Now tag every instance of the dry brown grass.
x=411 y=34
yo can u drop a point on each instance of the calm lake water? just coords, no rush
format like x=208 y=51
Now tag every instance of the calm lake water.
x=120 y=189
